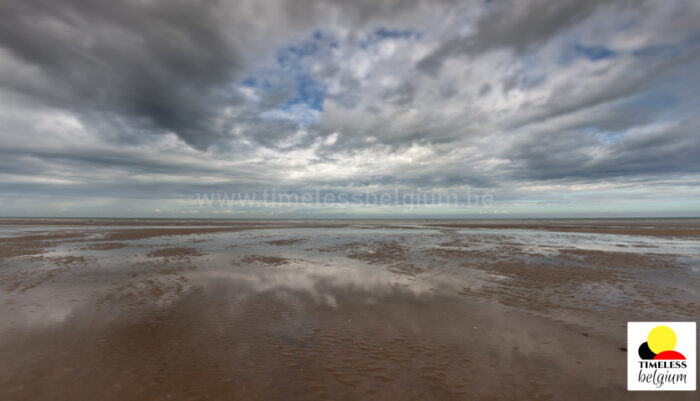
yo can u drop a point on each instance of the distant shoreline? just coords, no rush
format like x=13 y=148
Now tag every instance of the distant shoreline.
x=53 y=218
x=660 y=227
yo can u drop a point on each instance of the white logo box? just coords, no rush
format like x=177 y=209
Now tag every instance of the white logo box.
x=637 y=333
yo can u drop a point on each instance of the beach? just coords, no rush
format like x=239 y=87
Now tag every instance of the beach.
x=336 y=309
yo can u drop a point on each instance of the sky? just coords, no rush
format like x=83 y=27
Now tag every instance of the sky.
x=349 y=109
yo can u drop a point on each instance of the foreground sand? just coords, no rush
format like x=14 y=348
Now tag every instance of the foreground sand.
x=150 y=310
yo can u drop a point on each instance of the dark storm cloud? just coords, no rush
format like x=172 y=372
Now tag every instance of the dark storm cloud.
x=160 y=63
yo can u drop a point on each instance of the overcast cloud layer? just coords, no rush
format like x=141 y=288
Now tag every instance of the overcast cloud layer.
x=554 y=108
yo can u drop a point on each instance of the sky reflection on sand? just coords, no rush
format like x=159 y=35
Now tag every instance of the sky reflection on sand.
x=317 y=261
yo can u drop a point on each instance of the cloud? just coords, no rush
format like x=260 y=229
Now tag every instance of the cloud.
x=517 y=25
x=155 y=101
x=160 y=65
x=157 y=66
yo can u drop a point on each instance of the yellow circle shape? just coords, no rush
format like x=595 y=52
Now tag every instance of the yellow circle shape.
x=660 y=339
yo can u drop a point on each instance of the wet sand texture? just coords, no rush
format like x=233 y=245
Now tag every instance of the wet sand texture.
x=287 y=310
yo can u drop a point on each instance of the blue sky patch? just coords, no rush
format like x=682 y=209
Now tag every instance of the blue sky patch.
x=612 y=137
x=383 y=33
x=594 y=53
x=292 y=70
x=309 y=92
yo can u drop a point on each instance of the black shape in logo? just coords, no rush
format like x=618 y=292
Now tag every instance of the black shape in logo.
x=645 y=352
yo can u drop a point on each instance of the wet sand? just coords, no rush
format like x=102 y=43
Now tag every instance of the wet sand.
x=190 y=310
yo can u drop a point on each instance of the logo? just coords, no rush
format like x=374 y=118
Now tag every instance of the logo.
x=665 y=357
